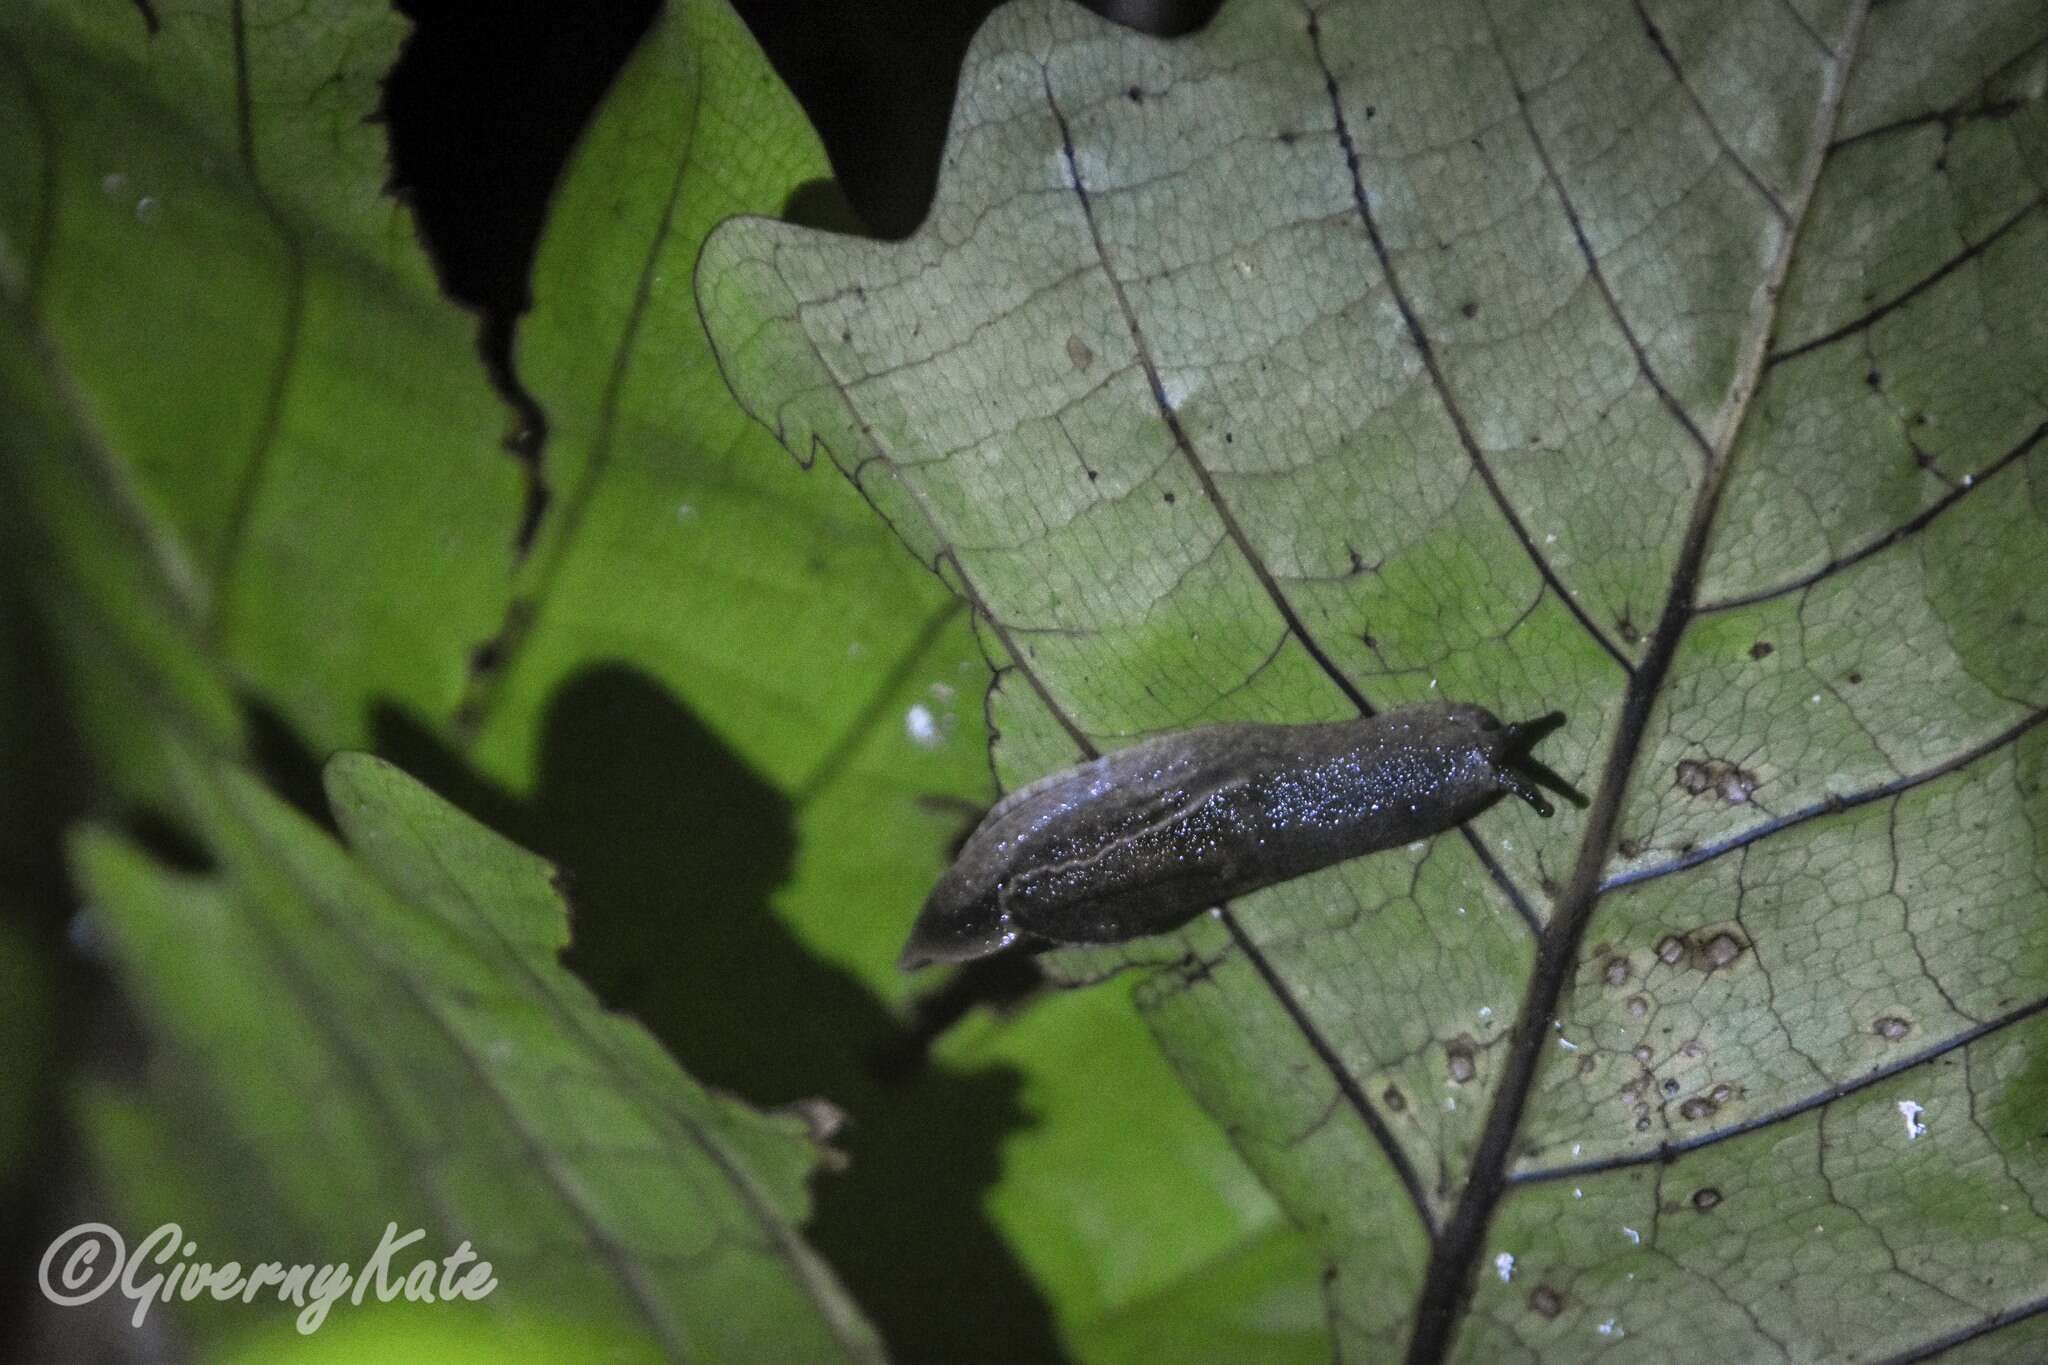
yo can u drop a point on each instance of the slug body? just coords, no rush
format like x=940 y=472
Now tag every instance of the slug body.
x=1142 y=840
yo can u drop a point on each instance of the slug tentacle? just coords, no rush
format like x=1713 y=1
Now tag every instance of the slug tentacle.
x=1141 y=840
x=1525 y=787
x=1522 y=773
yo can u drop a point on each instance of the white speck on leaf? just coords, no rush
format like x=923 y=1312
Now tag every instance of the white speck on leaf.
x=112 y=184
x=1636 y=1238
x=1911 y=1112
x=1504 y=1266
x=942 y=692
x=922 y=726
x=1609 y=1328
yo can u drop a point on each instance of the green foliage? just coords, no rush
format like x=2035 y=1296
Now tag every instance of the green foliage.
x=1679 y=368
x=258 y=481
x=391 y=1038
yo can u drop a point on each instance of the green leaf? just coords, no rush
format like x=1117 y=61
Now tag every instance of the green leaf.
x=388 y=1032
x=261 y=473
x=1675 y=368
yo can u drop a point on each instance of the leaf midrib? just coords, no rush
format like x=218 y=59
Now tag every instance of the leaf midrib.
x=1454 y=1257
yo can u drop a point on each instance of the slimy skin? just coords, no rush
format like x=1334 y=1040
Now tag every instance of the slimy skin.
x=1142 y=840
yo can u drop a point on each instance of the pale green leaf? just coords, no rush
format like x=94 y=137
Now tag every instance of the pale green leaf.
x=391 y=1039
x=1676 y=367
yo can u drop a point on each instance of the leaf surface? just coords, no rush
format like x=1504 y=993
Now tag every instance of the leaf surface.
x=404 y=1047
x=264 y=494
x=1676 y=368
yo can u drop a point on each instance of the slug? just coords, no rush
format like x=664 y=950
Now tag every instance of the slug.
x=1142 y=840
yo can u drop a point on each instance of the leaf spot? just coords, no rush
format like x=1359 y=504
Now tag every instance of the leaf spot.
x=1461 y=1059
x=1545 y=1302
x=1718 y=951
x=1718 y=776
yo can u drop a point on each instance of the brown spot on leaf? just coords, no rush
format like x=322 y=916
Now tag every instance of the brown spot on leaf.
x=1705 y=1198
x=1671 y=950
x=1760 y=650
x=1717 y=952
x=1642 y=1054
x=1394 y=1099
x=1079 y=353
x=1632 y=847
x=1615 y=973
x=1462 y=1059
x=1891 y=1028
x=1733 y=784
x=1469 y=309
x=1697 y=1108
x=1545 y=1302
x=1586 y=1065
x=1637 y=1006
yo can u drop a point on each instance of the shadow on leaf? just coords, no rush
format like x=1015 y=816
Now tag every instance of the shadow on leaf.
x=674 y=848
